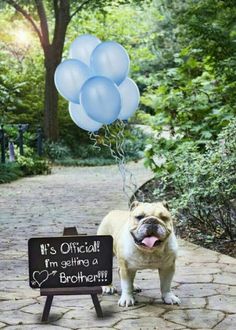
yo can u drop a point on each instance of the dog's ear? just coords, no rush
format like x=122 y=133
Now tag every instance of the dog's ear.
x=133 y=205
x=165 y=204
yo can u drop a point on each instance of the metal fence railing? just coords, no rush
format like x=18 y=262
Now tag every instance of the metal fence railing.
x=8 y=142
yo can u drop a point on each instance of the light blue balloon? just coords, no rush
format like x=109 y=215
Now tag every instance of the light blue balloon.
x=111 y=60
x=100 y=99
x=69 y=77
x=130 y=98
x=81 y=119
x=82 y=47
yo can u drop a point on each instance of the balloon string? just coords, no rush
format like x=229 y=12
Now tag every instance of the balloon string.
x=108 y=143
x=128 y=183
x=120 y=147
x=122 y=138
x=94 y=137
x=118 y=158
x=131 y=183
x=132 y=179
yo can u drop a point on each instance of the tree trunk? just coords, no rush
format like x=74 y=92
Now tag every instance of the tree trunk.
x=51 y=129
x=53 y=56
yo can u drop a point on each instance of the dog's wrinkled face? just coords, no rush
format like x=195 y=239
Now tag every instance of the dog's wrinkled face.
x=150 y=224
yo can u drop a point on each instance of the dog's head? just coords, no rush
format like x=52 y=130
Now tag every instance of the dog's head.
x=150 y=224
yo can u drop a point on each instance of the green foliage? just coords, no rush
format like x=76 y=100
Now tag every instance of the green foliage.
x=202 y=186
x=10 y=172
x=88 y=155
x=56 y=150
x=135 y=142
x=21 y=87
x=193 y=89
x=129 y=23
x=92 y=161
x=33 y=166
x=30 y=163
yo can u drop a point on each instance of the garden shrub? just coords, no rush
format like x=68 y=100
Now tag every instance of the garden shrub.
x=33 y=166
x=56 y=150
x=30 y=163
x=201 y=186
x=10 y=172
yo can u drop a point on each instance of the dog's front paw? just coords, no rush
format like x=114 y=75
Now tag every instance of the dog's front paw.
x=126 y=300
x=170 y=299
x=109 y=289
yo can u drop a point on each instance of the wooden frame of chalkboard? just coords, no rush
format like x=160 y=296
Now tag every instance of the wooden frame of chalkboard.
x=69 y=265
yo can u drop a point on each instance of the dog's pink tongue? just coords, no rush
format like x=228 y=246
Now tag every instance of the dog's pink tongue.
x=150 y=241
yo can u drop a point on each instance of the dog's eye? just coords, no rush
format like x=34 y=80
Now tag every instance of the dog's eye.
x=139 y=217
x=163 y=217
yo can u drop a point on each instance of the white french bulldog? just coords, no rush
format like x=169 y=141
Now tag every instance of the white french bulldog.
x=143 y=239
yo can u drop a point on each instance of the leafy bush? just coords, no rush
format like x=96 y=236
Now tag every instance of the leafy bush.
x=135 y=143
x=88 y=151
x=31 y=164
x=201 y=186
x=10 y=172
x=56 y=150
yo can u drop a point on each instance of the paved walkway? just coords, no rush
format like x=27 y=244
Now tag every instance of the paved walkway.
x=41 y=206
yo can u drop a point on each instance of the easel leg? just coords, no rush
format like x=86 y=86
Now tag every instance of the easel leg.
x=47 y=308
x=97 y=305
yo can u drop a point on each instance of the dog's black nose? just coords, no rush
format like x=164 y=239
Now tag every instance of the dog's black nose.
x=151 y=228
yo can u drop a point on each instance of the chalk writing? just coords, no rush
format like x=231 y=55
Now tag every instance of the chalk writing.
x=75 y=247
x=101 y=276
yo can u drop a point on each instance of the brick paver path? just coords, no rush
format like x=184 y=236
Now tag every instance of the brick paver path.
x=41 y=206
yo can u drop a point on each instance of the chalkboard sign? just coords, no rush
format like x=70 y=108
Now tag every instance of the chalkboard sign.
x=70 y=261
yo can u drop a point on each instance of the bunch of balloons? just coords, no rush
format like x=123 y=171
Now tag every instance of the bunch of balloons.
x=94 y=81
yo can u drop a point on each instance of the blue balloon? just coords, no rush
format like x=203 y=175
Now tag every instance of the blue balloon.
x=111 y=60
x=69 y=77
x=82 y=47
x=130 y=97
x=100 y=99
x=81 y=119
